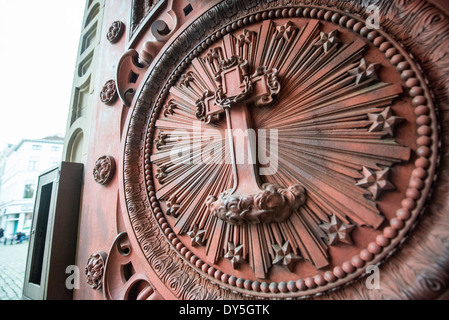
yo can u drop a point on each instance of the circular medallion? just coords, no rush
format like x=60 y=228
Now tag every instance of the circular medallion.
x=115 y=31
x=94 y=269
x=104 y=170
x=286 y=152
x=109 y=94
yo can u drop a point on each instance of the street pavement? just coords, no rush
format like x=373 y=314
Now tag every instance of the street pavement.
x=12 y=270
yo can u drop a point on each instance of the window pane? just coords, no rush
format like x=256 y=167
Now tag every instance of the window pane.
x=28 y=192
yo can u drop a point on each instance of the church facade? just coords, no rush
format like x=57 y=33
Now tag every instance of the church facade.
x=262 y=149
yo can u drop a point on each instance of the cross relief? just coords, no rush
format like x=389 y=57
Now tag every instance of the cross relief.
x=248 y=201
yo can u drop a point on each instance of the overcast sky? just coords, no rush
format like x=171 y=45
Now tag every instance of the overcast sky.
x=38 y=49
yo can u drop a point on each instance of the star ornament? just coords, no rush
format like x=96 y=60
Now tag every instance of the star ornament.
x=284 y=256
x=327 y=40
x=235 y=254
x=245 y=38
x=187 y=78
x=375 y=181
x=196 y=236
x=384 y=121
x=338 y=231
x=214 y=55
x=285 y=31
x=172 y=207
x=161 y=173
x=365 y=71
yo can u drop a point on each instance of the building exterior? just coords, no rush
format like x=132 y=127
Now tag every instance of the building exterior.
x=348 y=99
x=19 y=169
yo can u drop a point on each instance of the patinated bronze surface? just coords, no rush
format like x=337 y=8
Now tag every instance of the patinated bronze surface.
x=355 y=124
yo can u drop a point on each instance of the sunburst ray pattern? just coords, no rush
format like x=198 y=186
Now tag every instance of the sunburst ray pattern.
x=324 y=115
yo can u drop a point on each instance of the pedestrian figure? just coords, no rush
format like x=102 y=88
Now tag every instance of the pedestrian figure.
x=19 y=237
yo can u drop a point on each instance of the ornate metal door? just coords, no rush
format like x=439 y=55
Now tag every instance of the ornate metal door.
x=282 y=149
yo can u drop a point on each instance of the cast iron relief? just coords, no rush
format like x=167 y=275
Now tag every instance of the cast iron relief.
x=236 y=89
x=345 y=190
x=329 y=95
x=115 y=31
x=108 y=93
x=123 y=278
x=94 y=269
x=133 y=64
x=104 y=170
x=120 y=279
x=140 y=10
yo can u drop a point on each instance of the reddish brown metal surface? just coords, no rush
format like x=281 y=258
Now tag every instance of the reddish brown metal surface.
x=357 y=113
x=326 y=97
